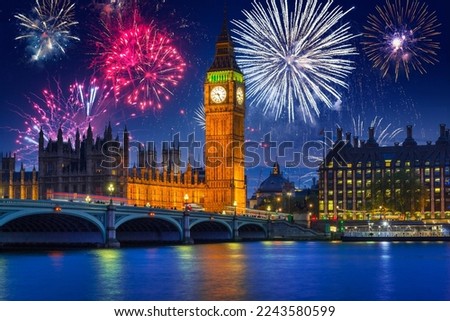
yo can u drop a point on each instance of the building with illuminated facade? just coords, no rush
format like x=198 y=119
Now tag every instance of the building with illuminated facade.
x=79 y=168
x=362 y=180
x=17 y=184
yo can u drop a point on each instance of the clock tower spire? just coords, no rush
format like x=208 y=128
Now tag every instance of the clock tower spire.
x=224 y=58
x=224 y=99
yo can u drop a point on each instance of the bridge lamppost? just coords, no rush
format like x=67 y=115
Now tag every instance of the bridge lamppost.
x=111 y=191
x=269 y=222
x=186 y=199
x=186 y=229
x=235 y=224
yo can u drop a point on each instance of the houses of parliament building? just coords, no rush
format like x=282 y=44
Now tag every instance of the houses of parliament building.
x=78 y=168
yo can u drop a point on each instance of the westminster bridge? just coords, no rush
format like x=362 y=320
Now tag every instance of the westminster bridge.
x=45 y=222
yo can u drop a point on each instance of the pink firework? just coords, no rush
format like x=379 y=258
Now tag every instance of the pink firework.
x=85 y=103
x=143 y=66
x=138 y=59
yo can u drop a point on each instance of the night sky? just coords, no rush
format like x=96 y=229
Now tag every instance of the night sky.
x=422 y=101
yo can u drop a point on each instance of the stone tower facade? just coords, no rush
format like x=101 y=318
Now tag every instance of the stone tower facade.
x=224 y=100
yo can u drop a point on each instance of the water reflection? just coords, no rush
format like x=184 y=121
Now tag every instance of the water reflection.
x=212 y=272
x=234 y=271
x=3 y=278
x=110 y=274
x=224 y=271
x=57 y=260
x=384 y=272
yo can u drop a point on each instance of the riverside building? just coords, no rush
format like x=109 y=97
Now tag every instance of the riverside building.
x=362 y=180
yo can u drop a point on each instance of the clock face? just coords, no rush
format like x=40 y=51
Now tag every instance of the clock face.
x=218 y=94
x=240 y=95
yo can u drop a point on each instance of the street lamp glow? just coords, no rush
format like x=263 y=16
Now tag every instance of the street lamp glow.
x=111 y=189
x=186 y=198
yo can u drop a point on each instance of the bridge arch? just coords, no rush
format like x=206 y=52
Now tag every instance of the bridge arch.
x=45 y=226
x=252 y=231
x=208 y=229
x=148 y=229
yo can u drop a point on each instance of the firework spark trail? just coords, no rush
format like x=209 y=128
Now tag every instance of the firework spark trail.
x=200 y=116
x=401 y=37
x=385 y=134
x=90 y=99
x=47 y=28
x=293 y=60
x=54 y=110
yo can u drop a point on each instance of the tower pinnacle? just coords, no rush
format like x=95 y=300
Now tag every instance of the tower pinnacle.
x=224 y=58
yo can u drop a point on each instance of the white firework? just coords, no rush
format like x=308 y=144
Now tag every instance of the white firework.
x=385 y=134
x=200 y=116
x=48 y=28
x=294 y=60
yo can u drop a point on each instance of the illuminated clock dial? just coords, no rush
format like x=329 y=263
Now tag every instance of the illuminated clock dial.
x=218 y=94
x=240 y=95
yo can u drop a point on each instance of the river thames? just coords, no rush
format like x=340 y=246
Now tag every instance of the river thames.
x=232 y=271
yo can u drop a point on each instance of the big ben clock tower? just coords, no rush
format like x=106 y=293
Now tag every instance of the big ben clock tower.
x=224 y=99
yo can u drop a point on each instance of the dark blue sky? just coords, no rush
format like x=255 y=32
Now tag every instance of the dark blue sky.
x=422 y=101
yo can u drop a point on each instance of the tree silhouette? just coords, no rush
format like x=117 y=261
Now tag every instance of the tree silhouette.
x=399 y=190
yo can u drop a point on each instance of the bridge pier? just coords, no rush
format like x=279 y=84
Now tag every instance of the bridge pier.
x=269 y=229
x=110 y=222
x=186 y=229
x=235 y=229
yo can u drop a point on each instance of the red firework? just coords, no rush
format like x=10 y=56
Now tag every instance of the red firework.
x=143 y=66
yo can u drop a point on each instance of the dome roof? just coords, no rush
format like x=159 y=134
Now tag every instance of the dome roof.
x=275 y=183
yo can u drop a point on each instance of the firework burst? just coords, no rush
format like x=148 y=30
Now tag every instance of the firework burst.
x=401 y=37
x=47 y=28
x=139 y=60
x=144 y=59
x=293 y=60
x=86 y=103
